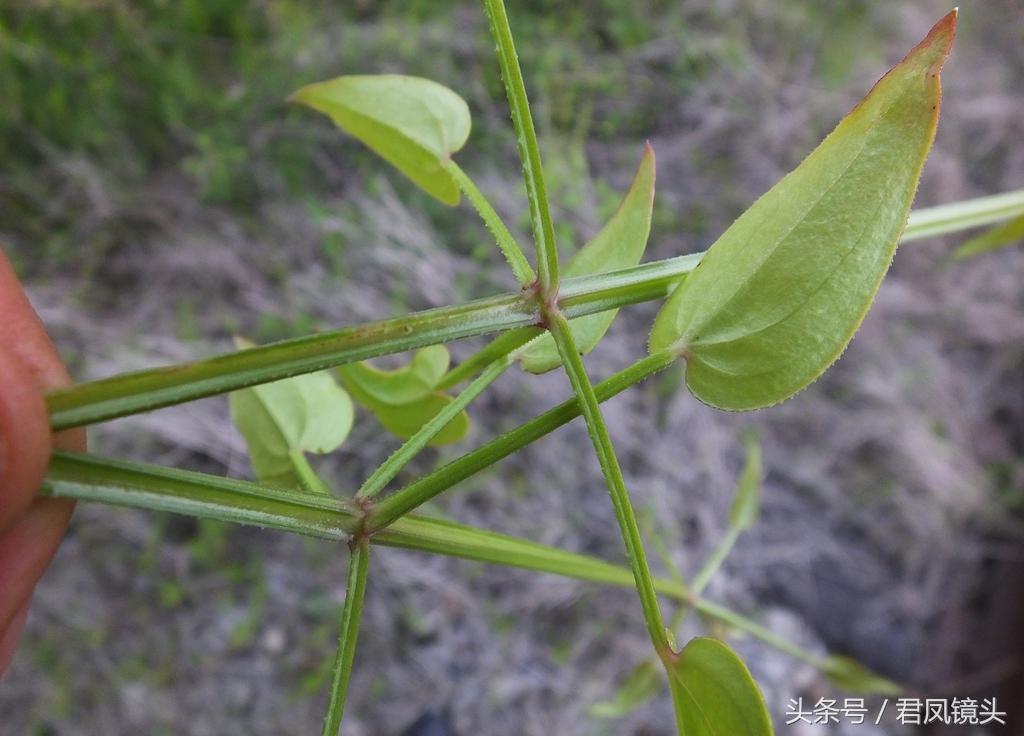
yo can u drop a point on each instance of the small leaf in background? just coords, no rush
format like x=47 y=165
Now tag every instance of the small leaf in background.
x=309 y=413
x=849 y=674
x=998 y=237
x=402 y=385
x=619 y=244
x=714 y=693
x=414 y=124
x=643 y=683
x=780 y=294
x=747 y=503
x=404 y=399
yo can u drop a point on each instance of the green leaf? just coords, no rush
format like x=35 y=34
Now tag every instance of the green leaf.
x=619 y=244
x=309 y=413
x=714 y=694
x=747 y=503
x=780 y=294
x=998 y=237
x=849 y=674
x=403 y=385
x=414 y=124
x=404 y=421
x=403 y=400
x=643 y=683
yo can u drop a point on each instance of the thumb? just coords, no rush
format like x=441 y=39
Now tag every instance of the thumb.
x=25 y=440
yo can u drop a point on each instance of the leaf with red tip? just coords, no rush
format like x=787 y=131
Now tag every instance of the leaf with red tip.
x=779 y=296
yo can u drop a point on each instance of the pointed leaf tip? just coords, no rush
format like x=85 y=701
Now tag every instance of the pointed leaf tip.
x=779 y=295
x=934 y=48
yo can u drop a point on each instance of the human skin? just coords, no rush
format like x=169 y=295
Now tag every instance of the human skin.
x=30 y=528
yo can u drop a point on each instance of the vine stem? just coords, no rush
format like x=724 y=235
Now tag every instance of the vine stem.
x=351 y=613
x=496 y=348
x=136 y=485
x=307 y=476
x=529 y=150
x=506 y=242
x=404 y=454
x=602 y=442
x=139 y=391
x=703 y=577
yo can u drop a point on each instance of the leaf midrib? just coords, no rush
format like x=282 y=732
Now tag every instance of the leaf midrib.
x=775 y=245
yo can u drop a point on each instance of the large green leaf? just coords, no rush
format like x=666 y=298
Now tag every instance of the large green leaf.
x=998 y=237
x=714 y=694
x=780 y=294
x=309 y=413
x=402 y=385
x=415 y=124
x=619 y=244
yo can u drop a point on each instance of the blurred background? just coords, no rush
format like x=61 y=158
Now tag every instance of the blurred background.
x=158 y=196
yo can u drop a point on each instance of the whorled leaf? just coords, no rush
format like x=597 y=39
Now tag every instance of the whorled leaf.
x=781 y=293
x=714 y=694
x=309 y=413
x=995 y=238
x=405 y=399
x=643 y=683
x=619 y=244
x=415 y=124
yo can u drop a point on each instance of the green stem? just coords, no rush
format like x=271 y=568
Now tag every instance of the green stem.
x=351 y=613
x=307 y=476
x=497 y=348
x=529 y=150
x=135 y=485
x=971 y=213
x=718 y=555
x=92 y=478
x=506 y=242
x=756 y=630
x=401 y=457
x=419 y=492
x=131 y=393
x=134 y=392
x=606 y=457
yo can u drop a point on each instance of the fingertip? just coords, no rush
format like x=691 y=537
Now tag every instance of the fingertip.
x=9 y=638
x=25 y=440
x=26 y=549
